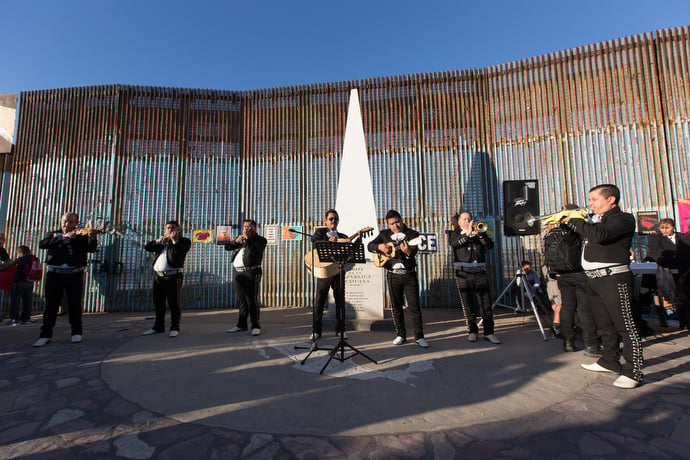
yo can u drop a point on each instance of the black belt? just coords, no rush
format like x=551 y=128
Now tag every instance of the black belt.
x=400 y=271
x=171 y=272
x=246 y=269
x=65 y=270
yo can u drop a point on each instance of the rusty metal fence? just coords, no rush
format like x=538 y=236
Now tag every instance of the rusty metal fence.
x=137 y=156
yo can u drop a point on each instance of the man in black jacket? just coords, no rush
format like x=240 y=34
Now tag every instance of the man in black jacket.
x=606 y=262
x=248 y=252
x=66 y=260
x=401 y=275
x=171 y=250
x=469 y=256
x=328 y=233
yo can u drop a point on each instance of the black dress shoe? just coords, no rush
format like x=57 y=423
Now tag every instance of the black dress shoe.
x=556 y=330
x=593 y=352
x=568 y=345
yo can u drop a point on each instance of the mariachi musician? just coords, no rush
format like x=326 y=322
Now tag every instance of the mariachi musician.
x=67 y=250
x=401 y=275
x=469 y=255
x=328 y=233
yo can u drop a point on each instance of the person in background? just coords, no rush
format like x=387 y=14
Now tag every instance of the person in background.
x=4 y=256
x=661 y=248
x=22 y=289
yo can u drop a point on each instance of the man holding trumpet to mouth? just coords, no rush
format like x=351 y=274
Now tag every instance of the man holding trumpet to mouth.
x=470 y=243
x=171 y=250
x=248 y=252
x=606 y=262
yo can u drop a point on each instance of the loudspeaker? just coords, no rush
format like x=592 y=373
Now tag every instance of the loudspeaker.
x=520 y=204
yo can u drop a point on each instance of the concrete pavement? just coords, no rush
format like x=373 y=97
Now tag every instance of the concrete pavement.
x=209 y=394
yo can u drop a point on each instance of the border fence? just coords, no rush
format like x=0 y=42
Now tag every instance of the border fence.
x=135 y=157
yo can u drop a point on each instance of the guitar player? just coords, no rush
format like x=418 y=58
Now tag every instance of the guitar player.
x=328 y=233
x=401 y=275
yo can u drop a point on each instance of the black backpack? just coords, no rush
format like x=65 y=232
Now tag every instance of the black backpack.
x=562 y=250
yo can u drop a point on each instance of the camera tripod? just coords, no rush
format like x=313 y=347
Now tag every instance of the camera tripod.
x=526 y=291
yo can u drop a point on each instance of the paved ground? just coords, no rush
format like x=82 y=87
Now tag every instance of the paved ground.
x=211 y=395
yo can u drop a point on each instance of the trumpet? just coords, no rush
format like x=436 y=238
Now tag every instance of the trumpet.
x=557 y=217
x=480 y=227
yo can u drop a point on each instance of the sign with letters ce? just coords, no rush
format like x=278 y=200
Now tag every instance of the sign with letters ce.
x=429 y=243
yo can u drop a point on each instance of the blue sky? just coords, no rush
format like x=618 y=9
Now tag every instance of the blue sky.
x=240 y=45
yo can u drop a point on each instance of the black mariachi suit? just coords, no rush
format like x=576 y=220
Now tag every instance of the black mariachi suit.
x=609 y=241
x=168 y=286
x=473 y=285
x=69 y=252
x=403 y=286
x=322 y=287
x=247 y=281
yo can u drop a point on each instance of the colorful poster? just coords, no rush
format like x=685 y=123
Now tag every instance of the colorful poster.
x=202 y=236
x=224 y=234
x=684 y=214
x=647 y=222
x=287 y=235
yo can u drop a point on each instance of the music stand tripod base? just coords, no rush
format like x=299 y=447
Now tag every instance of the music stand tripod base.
x=341 y=253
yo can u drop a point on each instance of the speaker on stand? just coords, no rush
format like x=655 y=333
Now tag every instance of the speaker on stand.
x=520 y=204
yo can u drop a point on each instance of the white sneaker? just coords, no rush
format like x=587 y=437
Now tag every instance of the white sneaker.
x=595 y=367
x=256 y=331
x=76 y=338
x=149 y=332
x=235 y=329
x=41 y=342
x=398 y=340
x=422 y=343
x=625 y=382
x=337 y=334
x=314 y=336
x=174 y=334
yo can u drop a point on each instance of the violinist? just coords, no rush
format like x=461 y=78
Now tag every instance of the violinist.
x=66 y=260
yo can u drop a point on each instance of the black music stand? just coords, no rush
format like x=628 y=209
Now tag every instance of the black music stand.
x=341 y=253
x=314 y=346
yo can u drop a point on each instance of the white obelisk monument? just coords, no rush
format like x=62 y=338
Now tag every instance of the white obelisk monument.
x=355 y=205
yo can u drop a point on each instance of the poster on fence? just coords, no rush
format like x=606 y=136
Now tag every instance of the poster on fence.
x=684 y=214
x=647 y=222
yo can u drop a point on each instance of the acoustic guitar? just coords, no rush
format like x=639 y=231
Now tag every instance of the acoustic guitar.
x=329 y=269
x=380 y=258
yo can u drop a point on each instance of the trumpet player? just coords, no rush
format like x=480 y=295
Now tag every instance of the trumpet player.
x=247 y=254
x=606 y=262
x=66 y=260
x=171 y=250
x=469 y=254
